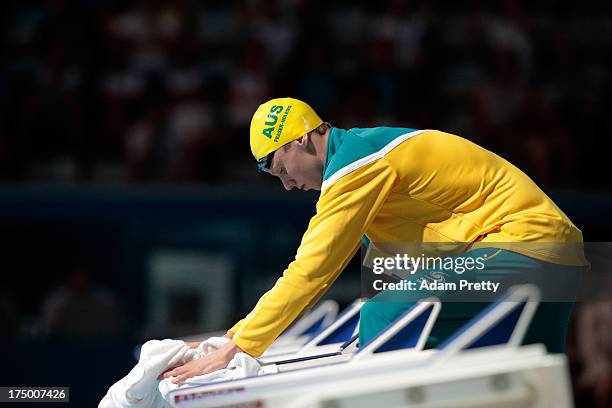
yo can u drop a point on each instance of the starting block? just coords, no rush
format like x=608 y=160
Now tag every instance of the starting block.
x=481 y=365
x=327 y=340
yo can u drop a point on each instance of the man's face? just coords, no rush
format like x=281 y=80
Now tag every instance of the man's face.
x=297 y=166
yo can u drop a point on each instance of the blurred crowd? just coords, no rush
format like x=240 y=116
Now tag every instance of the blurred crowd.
x=104 y=91
x=132 y=92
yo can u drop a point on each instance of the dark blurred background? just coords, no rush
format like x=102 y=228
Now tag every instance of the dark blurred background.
x=130 y=205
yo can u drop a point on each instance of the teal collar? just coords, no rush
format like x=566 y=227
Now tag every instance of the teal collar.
x=334 y=140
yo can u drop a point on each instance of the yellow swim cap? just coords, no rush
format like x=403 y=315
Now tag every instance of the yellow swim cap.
x=278 y=122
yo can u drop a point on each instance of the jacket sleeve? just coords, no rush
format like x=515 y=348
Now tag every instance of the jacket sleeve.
x=236 y=326
x=344 y=211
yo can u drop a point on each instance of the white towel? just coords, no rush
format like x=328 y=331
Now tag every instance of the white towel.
x=140 y=387
x=241 y=366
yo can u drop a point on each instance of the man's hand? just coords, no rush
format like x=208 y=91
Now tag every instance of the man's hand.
x=216 y=360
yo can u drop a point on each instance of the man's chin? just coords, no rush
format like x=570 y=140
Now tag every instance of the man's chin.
x=314 y=186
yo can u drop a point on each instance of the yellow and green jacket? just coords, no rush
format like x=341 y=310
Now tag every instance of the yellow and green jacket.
x=404 y=185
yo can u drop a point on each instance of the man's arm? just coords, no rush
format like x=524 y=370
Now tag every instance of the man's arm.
x=344 y=212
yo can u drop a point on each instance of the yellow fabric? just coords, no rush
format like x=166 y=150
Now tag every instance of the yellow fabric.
x=434 y=187
x=236 y=326
x=278 y=122
x=331 y=240
x=453 y=190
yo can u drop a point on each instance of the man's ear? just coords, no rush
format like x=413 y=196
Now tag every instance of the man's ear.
x=303 y=140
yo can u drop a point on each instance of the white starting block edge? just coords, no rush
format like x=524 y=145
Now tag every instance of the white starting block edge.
x=322 y=316
x=519 y=379
x=384 y=362
x=479 y=377
x=529 y=295
x=431 y=305
x=320 y=343
x=419 y=320
x=319 y=318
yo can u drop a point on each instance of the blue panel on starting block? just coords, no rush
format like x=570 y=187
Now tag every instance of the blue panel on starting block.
x=499 y=333
x=342 y=333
